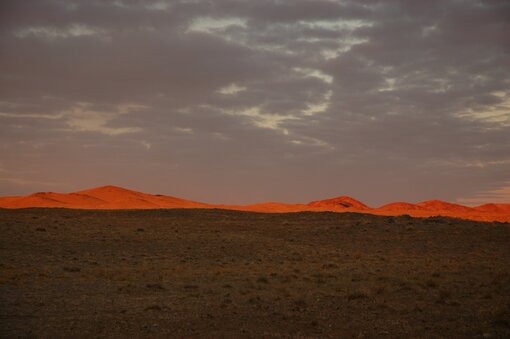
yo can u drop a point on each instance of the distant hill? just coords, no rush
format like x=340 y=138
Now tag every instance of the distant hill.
x=113 y=197
x=340 y=203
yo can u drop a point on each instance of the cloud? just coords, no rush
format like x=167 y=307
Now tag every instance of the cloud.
x=84 y=119
x=146 y=144
x=315 y=73
x=319 y=107
x=215 y=25
x=264 y=120
x=498 y=113
x=184 y=130
x=259 y=100
x=231 y=89
x=57 y=33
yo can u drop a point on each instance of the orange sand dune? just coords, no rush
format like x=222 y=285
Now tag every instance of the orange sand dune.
x=106 y=197
x=438 y=205
x=112 y=197
x=498 y=208
x=342 y=202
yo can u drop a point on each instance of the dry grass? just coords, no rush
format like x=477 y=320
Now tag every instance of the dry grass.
x=214 y=273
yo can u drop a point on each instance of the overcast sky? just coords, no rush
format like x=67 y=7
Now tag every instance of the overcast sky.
x=245 y=101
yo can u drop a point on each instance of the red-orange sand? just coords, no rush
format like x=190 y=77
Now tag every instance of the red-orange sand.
x=112 y=197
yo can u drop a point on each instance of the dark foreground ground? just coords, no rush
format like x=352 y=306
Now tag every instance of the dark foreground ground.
x=215 y=273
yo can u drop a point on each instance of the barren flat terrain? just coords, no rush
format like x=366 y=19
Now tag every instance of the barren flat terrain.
x=217 y=273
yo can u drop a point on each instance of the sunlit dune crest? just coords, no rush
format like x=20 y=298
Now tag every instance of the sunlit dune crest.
x=113 y=197
x=494 y=208
x=438 y=205
x=106 y=197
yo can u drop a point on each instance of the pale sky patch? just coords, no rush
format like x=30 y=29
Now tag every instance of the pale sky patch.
x=220 y=136
x=147 y=145
x=344 y=46
x=49 y=32
x=28 y=182
x=82 y=118
x=314 y=73
x=497 y=196
x=337 y=25
x=183 y=130
x=158 y=6
x=498 y=114
x=265 y=120
x=214 y=25
x=32 y=115
x=231 y=89
x=309 y=141
x=319 y=107
x=390 y=85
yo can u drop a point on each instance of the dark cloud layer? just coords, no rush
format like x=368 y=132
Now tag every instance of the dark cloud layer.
x=244 y=101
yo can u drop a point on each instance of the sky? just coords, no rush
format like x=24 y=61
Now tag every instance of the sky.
x=232 y=101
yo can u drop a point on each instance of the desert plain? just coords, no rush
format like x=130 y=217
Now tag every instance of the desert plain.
x=222 y=273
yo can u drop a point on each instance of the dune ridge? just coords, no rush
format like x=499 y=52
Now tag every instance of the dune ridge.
x=113 y=197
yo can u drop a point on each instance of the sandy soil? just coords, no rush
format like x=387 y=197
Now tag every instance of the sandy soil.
x=216 y=273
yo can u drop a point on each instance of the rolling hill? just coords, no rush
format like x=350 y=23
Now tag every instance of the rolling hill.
x=113 y=197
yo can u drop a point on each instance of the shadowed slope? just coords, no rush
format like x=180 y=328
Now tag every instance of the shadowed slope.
x=339 y=203
x=401 y=206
